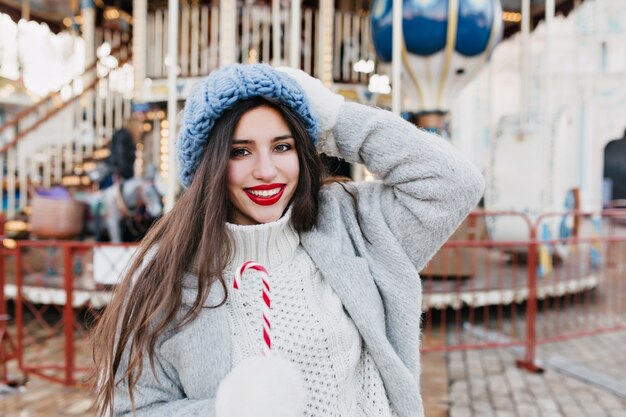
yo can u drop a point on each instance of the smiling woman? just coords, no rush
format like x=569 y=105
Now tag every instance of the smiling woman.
x=263 y=170
x=325 y=280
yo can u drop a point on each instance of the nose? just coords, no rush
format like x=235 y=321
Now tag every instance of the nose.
x=265 y=170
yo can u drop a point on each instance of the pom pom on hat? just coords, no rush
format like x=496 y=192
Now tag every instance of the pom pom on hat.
x=220 y=91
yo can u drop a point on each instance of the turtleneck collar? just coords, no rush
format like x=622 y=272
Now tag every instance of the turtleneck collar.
x=269 y=244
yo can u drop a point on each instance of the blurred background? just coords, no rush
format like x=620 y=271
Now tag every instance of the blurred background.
x=524 y=307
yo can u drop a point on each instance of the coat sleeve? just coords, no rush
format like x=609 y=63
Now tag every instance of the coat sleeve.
x=158 y=394
x=426 y=186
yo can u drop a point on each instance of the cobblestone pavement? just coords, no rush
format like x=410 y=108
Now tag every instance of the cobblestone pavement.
x=478 y=383
x=582 y=378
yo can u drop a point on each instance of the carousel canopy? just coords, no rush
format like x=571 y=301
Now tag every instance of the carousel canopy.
x=57 y=13
x=53 y=12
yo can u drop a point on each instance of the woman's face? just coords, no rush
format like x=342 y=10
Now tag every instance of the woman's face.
x=263 y=168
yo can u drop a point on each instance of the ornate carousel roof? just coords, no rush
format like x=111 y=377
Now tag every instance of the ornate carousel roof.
x=56 y=13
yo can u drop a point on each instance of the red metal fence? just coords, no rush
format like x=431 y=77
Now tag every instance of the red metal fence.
x=56 y=299
x=560 y=276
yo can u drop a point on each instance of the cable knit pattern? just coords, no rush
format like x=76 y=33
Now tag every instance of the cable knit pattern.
x=218 y=92
x=309 y=326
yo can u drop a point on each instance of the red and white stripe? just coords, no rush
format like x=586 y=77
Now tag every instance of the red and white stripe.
x=267 y=305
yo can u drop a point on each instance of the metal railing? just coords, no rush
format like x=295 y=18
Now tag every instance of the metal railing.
x=56 y=299
x=47 y=140
x=477 y=292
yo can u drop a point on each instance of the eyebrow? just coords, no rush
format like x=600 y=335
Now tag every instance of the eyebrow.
x=249 y=141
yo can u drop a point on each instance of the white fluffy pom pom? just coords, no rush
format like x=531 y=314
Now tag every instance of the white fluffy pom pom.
x=262 y=387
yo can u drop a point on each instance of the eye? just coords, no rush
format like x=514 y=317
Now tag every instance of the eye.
x=283 y=147
x=239 y=152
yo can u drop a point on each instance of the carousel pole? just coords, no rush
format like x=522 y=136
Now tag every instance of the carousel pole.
x=140 y=18
x=88 y=14
x=396 y=57
x=325 y=43
x=296 y=29
x=228 y=35
x=172 y=105
x=276 y=30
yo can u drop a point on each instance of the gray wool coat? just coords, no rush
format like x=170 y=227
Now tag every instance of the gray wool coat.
x=426 y=188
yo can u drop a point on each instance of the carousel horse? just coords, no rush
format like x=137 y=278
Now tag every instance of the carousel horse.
x=131 y=204
x=130 y=208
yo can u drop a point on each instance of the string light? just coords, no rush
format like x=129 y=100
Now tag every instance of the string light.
x=101 y=153
x=363 y=66
x=379 y=84
x=514 y=17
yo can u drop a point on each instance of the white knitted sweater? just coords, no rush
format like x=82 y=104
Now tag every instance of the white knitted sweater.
x=309 y=325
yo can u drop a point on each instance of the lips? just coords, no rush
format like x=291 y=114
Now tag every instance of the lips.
x=266 y=194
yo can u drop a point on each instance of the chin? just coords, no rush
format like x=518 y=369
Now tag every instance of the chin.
x=269 y=217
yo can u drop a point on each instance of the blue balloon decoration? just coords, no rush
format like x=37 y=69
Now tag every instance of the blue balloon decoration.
x=425 y=24
x=474 y=27
x=439 y=59
x=381 y=28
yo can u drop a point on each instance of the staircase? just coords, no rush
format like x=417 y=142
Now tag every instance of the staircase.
x=58 y=135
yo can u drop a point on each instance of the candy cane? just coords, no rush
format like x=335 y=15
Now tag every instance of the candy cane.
x=267 y=308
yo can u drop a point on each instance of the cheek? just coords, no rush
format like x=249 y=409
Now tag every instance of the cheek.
x=234 y=177
x=239 y=171
x=293 y=169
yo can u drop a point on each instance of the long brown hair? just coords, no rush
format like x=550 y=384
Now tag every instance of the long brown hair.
x=191 y=237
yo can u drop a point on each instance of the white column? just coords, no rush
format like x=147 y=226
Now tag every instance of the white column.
x=276 y=30
x=140 y=18
x=308 y=35
x=88 y=14
x=580 y=143
x=595 y=156
x=184 y=41
x=296 y=29
x=325 y=43
x=548 y=131
x=195 y=41
x=214 y=42
x=396 y=57
x=228 y=35
x=525 y=68
x=172 y=107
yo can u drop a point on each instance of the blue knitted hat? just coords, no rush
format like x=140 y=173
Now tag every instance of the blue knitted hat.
x=215 y=94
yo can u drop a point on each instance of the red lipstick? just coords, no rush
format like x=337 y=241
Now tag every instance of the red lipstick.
x=265 y=201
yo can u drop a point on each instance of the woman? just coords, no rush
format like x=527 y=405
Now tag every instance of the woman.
x=343 y=260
